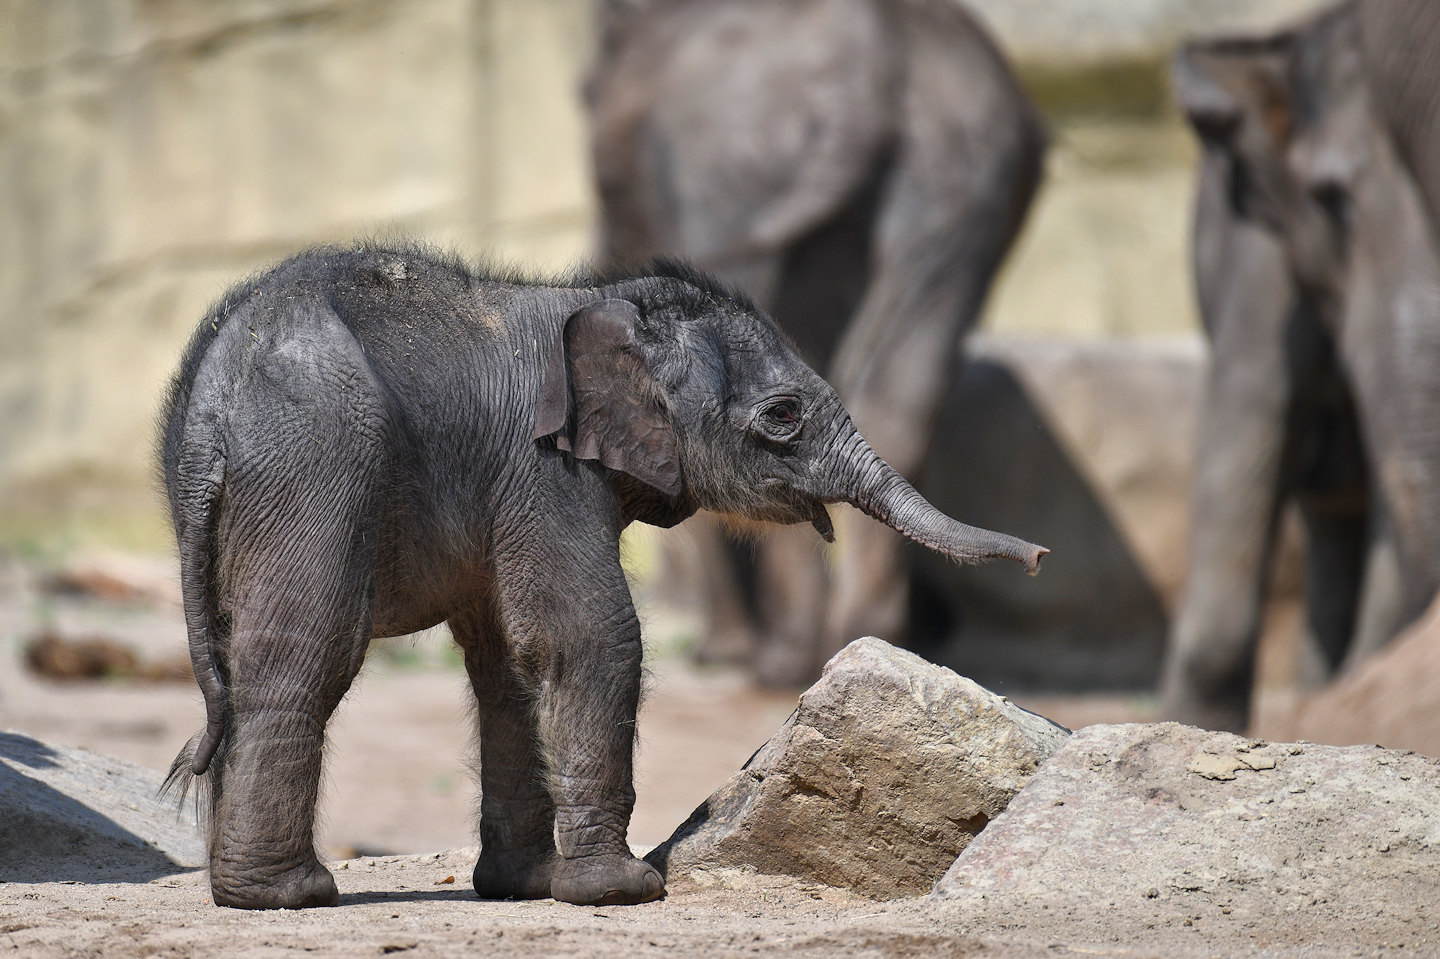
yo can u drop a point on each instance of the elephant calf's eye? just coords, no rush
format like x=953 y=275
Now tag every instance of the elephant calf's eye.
x=780 y=419
x=783 y=412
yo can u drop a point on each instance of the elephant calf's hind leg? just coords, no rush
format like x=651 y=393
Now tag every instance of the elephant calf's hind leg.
x=300 y=623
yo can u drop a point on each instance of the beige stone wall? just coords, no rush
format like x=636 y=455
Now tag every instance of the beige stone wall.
x=1089 y=31
x=1105 y=251
x=152 y=152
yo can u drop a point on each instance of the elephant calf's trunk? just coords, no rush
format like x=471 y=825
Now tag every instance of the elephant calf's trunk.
x=884 y=494
x=928 y=526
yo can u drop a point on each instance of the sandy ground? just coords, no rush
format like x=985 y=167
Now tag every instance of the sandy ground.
x=398 y=784
x=411 y=906
x=393 y=906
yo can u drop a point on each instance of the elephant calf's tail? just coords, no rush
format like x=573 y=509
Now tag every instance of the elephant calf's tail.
x=195 y=518
x=196 y=513
x=182 y=775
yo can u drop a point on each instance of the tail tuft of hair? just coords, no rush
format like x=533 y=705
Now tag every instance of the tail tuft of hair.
x=180 y=779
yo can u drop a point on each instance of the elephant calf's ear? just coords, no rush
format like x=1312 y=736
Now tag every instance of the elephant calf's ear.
x=602 y=401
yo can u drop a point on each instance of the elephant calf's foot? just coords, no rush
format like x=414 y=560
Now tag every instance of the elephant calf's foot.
x=612 y=880
x=514 y=874
x=299 y=888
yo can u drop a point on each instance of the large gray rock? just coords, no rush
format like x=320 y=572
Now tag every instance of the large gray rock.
x=886 y=770
x=69 y=814
x=1127 y=828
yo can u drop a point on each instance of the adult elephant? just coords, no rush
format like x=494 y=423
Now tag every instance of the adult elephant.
x=1316 y=267
x=860 y=167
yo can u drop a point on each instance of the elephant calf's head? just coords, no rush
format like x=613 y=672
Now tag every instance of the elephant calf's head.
x=697 y=394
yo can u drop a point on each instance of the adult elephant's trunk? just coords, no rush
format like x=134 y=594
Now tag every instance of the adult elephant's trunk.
x=862 y=479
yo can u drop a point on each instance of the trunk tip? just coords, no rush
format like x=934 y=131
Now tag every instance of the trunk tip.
x=1032 y=562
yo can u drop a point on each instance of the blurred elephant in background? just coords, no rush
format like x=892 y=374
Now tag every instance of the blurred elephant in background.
x=1316 y=266
x=860 y=167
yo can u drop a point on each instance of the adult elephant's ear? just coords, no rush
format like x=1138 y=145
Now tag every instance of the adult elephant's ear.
x=601 y=402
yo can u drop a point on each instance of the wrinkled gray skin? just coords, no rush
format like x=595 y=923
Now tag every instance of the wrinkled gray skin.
x=366 y=443
x=1316 y=266
x=1398 y=40
x=860 y=168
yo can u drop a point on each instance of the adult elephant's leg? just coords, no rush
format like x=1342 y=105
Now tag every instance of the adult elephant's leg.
x=1381 y=594
x=772 y=593
x=566 y=606
x=1335 y=501
x=870 y=585
x=1407 y=462
x=821 y=287
x=517 y=817
x=732 y=169
x=1399 y=39
x=1389 y=341
x=299 y=567
x=764 y=598
x=967 y=165
x=790 y=592
x=1336 y=546
x=1210 y=657
x=701 y=556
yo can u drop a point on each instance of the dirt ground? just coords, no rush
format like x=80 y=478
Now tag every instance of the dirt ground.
x=405 y=906
x=398 y=788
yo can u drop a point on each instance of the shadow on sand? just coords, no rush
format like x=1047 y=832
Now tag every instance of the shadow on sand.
x=47 y=835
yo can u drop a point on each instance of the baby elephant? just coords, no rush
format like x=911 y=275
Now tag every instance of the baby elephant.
x=368 y=442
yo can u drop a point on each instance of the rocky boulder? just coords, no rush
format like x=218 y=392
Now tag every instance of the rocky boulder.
x=1129 y=828
x=73 y=815
x=886 y=770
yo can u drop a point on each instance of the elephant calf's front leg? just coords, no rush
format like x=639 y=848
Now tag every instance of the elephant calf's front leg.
x=587 y=679
x=588 y=712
